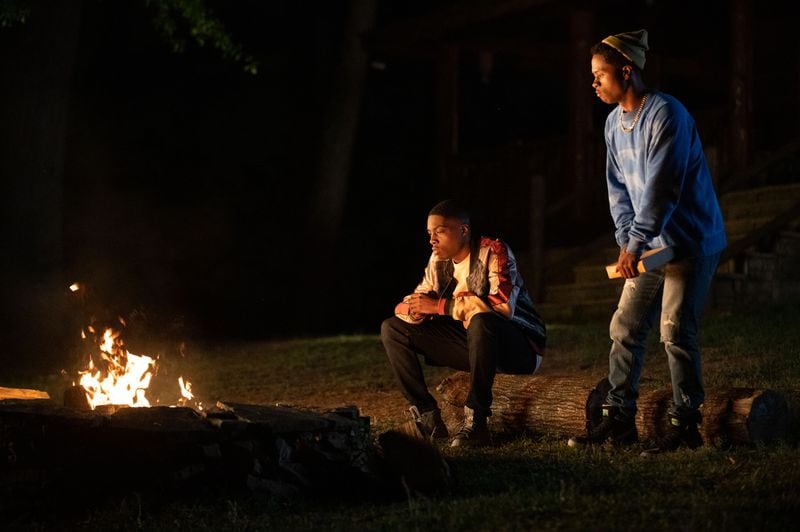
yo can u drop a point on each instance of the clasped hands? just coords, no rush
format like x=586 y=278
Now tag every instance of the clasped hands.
x=421 y=305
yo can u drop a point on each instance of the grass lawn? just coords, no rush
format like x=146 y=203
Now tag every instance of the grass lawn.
x=528 y=483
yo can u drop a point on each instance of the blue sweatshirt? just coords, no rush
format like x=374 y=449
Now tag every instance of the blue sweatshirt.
x=659 y=186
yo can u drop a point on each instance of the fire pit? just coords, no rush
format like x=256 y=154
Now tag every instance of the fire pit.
x=113 y=435
x=56 y=451
x=110 y=436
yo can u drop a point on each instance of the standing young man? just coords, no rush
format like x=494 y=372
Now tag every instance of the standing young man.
x=660 y=194
x=470 y=312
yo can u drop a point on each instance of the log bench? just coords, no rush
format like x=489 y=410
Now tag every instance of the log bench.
x=565 y=405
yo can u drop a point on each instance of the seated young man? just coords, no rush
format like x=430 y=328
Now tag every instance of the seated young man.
x=470 y=312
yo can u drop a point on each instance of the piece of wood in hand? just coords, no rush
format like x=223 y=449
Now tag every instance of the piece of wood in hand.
x=651 y=259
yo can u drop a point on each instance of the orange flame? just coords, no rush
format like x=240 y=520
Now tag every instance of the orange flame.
x=186 y=394
x=186 y=389
x=126 y=378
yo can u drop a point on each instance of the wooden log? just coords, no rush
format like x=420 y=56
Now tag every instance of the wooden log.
x=22 y=393
x=533 y=403
x=566 y=405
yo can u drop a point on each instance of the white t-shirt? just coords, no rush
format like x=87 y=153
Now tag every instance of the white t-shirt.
x=460 y=274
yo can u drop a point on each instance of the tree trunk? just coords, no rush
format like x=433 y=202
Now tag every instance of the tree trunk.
x=581 y=126
x=567 y=405
x=741 y=84
x=341 y=126
x=447 y=107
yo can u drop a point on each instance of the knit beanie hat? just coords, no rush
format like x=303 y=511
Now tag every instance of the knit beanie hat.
x=631 y=44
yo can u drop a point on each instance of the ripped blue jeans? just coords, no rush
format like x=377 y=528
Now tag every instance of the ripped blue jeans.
x=677 y=294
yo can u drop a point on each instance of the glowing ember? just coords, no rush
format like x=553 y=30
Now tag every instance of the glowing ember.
x=75 y=287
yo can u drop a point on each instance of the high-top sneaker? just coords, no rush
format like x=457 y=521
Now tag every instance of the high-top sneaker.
x=682 y=431
x=430 y=423
x=616 y=426
x=474 y=432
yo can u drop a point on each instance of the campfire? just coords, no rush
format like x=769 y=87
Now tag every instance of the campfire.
x=116 y=377
x=171 y=445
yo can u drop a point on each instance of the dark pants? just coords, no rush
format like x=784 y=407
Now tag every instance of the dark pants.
x=492 y=344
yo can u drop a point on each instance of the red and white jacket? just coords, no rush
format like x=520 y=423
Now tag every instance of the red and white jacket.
x=495 y=285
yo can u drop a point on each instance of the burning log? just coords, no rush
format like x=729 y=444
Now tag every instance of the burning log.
x=22 y=393
x=568 y=405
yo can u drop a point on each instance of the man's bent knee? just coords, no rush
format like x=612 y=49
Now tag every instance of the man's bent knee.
x=393 y=328
x=484 y=322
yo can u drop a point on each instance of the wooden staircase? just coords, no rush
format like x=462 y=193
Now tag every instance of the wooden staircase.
x=762 y=262
x=760 y=265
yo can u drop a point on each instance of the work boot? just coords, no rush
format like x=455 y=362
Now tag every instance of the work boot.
x=430 y=423
x=681 y=431
x=474 y=432
x=616 y=426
